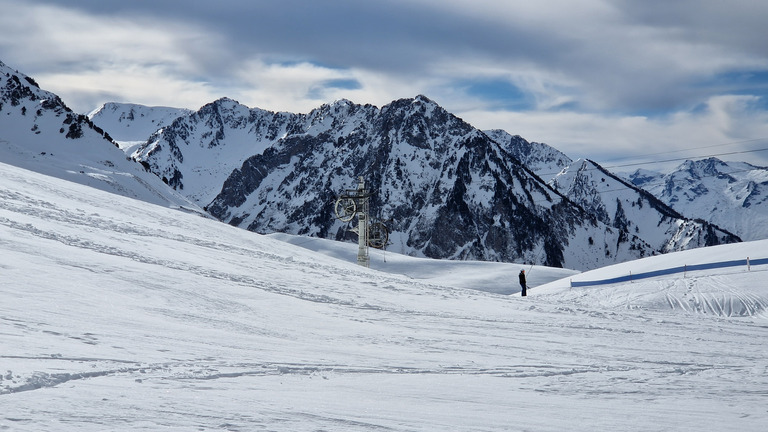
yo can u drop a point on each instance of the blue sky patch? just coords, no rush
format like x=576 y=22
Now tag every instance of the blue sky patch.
x=343 y=83
x=318 y=91
x=739 y=82
x=501 y=94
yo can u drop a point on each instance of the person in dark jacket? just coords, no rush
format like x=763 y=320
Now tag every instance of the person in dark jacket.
x=522 y=282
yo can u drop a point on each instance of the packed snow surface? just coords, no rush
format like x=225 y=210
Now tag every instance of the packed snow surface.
x=121 y=315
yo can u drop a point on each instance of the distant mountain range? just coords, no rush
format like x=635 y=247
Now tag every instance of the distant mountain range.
x=445 y=189
x=733 y=195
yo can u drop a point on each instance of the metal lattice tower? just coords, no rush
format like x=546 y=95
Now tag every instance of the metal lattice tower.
x=363 y=209
x=353 y=203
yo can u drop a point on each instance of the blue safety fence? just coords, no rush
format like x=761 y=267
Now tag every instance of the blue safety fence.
x=681 y=269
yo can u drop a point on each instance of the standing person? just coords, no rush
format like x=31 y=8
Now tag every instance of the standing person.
x=522 y=282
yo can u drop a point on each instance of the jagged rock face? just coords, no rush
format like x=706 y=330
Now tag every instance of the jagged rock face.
x=732 y=195
x=639 y=216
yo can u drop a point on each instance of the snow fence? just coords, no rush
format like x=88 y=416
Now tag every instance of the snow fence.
x=668 y=271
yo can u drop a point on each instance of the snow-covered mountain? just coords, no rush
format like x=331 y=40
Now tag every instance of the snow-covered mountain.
x=730 y=195
x=131 y=124
x=617 y=203
x=39 y=132
x=733 y=195
x=621 y=205
x=197 y=152
x=447 y=189
x=544 y=160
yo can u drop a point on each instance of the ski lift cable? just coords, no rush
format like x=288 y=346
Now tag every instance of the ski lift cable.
x=657 y=161
x=653 y=183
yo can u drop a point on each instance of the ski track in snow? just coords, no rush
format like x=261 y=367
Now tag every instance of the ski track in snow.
x=123 y=316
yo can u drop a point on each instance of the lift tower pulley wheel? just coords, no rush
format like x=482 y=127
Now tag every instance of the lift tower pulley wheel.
x=345 y=208
x=378 y=235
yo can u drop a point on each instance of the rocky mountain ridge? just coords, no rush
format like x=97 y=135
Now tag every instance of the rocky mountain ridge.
x=731 y=195
x=448 y=189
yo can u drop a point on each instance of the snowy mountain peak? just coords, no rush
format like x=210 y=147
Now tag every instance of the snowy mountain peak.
x=40 y=133
x=19 y=89
x=24 y=100
x=224 y=111
x=224 y=104
x=733 y=195
x=343 y=103
x=131 y=123
x=544 y=160
x=704 y=168
x=432 y=174
x=446 y=189
x=421 y=99
x=197 y=151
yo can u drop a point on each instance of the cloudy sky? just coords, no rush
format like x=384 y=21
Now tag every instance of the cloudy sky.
x=615 y=81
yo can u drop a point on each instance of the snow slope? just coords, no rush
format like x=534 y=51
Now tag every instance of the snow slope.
x=738 y=290
x=118 y=315
x=492 y=277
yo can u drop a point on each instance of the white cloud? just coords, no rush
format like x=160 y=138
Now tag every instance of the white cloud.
x=84 y=57
x=296 y=87
x=85 y=90
x=726 y=124
x=88 y=59
x=611 y=55
x=63 y=36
